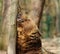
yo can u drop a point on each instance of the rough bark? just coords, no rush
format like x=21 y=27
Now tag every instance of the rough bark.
x=32 y=8
x=29 y=15
x=9 y=24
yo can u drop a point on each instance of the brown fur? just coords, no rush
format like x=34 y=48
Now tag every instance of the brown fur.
x=28 y=36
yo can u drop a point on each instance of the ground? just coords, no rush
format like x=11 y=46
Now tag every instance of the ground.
x=2 y=52
x=51 y=45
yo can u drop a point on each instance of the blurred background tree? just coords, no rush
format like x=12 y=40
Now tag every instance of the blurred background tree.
x=49 y=21
x=1 y=37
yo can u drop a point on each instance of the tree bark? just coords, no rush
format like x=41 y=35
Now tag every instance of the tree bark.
x=34 y=9
x=9 y=24
x=28 y=19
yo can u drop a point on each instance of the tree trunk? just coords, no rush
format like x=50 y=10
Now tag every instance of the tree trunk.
x=34 y=9
x=28 y=19
x=9 y=24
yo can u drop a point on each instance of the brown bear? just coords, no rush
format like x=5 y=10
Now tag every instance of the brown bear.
x=28 y=37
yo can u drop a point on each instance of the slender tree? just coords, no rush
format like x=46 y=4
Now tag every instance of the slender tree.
x=9 y=24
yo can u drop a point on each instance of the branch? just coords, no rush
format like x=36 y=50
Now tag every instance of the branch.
x=41 y=12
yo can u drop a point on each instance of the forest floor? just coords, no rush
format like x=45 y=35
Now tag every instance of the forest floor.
x=51 y=45
x=2 y=52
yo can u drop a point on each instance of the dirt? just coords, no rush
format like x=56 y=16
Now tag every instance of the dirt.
x=52 y=45
x=2 y=52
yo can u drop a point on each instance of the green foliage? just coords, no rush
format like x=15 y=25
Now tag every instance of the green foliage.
x=48 y=22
